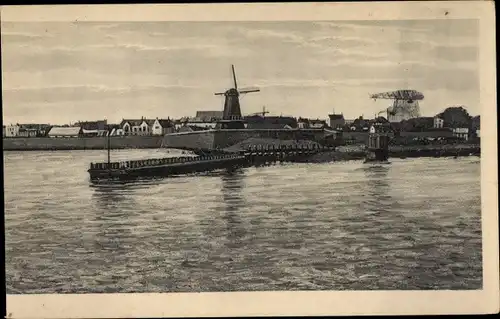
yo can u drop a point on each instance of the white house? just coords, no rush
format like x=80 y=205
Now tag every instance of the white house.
x=137 y=127
x=162 y=127
x=461 y=132
x=12 y=130
x=438 y=122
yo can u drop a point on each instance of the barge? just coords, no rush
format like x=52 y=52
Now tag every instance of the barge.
x=164 y=167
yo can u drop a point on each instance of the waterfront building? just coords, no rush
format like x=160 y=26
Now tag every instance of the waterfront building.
x=318 y=123
x=27 y=130
x=145 y=126
x=162 y=127
x=209 y=116
x=71 y=131
x=93 y=128
x=461 y=132
x=337 y=121
x=137 y=127
x=270 y=122
x=438 y=122
x=12 y=130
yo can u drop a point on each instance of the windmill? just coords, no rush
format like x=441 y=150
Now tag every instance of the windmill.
x=231 y=118
x=263 y=113
x=405 y=105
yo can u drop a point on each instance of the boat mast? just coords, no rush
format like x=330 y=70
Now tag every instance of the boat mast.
x=109 y=154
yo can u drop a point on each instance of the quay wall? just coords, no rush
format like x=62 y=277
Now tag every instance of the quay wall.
x=80 y=143
x=202 y=140
x=219 y=139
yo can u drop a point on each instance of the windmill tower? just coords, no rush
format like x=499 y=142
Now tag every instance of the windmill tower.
x=232 y=118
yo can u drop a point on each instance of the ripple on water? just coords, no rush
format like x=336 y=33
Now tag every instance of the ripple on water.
x=414 y=224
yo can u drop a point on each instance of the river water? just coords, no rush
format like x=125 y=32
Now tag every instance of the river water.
x=413 y=224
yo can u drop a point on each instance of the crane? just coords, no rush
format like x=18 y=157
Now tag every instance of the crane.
x=405 y=105
x=232 y=111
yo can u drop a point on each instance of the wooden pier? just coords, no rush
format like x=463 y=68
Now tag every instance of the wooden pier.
x=256 y=155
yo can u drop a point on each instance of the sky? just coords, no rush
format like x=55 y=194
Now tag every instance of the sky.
x=63 y=72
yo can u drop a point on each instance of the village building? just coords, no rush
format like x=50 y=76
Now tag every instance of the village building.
x=93 y=128
x=162 y=127
x=209 y=116
x=303 y=123
x=270 y=122
x=461 y=133
x=12 y=130
x=337 y=121
x=70 y=131
x=145 y=126
x=27 y=130
x=317 y=123
x=438 y=122
x=136 y=127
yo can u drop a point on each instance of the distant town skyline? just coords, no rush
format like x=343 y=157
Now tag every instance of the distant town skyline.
x=62 y=72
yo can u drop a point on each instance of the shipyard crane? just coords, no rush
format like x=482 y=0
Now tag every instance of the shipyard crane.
x=405 y=105
x=232 y=117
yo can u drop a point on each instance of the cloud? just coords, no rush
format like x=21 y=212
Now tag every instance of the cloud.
x=157 y=66
x=82 y=92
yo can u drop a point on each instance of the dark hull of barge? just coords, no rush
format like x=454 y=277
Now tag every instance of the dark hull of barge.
x=190 y=166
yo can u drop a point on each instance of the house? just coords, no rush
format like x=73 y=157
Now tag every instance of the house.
x=162 y=127
x=360 y=125
x=478 y=133
x=381 y=128
x=337 y=121
x=93 y=128
x=137 y=127
x=270 y=122
x=302 y=123
x=12 y=130
x=461 y=132
x=72 y=131
x=209 y=116
x=27 y=130
x=100 y=125
x=318 y=123
x=438 y=122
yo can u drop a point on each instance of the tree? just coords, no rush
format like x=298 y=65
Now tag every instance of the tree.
x=456 y=116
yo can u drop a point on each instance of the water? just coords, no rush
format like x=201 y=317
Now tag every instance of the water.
x=413 y=224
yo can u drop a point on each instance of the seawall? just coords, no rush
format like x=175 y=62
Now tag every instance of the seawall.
x=219 y=139
x=80 y=143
